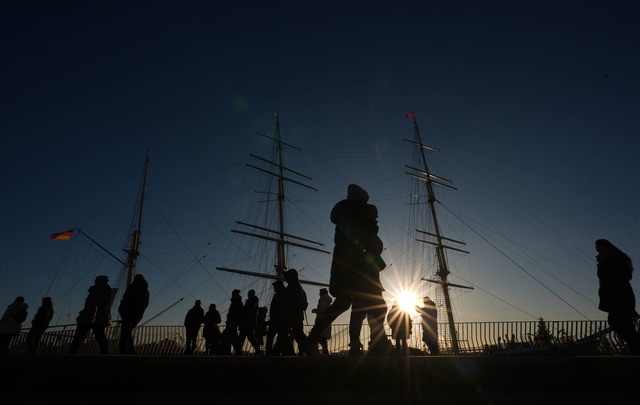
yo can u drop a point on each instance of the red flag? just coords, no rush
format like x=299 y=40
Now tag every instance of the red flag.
x=66 y=235
x=409 y=115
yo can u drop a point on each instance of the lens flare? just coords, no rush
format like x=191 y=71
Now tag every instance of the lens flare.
x=406 y=301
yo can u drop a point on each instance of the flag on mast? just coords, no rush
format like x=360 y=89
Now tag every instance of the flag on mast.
x=66 y=235
x=409 y=115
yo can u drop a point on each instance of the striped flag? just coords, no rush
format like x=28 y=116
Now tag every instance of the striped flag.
x=66 y=235
x=409 y=115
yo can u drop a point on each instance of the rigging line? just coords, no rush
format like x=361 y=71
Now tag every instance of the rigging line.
x=524 y=250
x=177 y=235
x=584 y=256
x=518 y=265
x=496 y=297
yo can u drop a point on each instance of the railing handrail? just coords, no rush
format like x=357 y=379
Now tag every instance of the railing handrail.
x=495 y=337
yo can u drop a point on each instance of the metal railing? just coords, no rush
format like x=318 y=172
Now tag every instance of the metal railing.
x=474 y=338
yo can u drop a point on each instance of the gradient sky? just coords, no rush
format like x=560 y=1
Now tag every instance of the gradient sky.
x=533 y=104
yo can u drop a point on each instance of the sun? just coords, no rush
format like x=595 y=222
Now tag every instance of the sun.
x=407 y=301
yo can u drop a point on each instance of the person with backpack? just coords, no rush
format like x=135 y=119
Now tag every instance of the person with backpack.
x=39 y=324
x=11 y=322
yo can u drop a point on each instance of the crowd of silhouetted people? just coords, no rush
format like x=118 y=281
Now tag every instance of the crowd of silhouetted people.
x=278 y=329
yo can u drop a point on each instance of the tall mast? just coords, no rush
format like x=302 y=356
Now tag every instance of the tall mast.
x=425 y=176
x=276 y=168
x=134 y=250
x=281 y=264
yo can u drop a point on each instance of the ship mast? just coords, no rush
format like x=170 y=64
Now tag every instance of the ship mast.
x=282 y=239
x=134 y=250
x=429 y=180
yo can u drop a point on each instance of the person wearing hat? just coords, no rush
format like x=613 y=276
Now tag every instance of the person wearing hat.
x=95 y=316
x=135 y=301
x=192 y=322
x=354 y=278
x=324 y=302
x=39 y=324
x=11 y=322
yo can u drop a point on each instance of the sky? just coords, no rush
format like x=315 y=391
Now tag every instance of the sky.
x=533 y=105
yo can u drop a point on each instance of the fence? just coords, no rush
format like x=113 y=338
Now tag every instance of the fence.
x=474 y=338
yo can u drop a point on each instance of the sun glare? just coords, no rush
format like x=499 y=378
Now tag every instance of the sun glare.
x=407 y=301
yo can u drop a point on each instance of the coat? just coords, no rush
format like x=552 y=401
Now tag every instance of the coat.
x=134 y=301
x=356 y=244
x=97 y=306
x=8 y=324
x=615 y=292
x=43 y=317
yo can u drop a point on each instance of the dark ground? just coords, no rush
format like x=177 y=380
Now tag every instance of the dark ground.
x=113 y=379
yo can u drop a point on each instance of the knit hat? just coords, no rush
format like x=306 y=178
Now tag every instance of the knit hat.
x=355 y=192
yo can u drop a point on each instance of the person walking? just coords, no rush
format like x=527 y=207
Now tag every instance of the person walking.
x=354 y=278
x=429 y=323
x=95 y=316
x=296 y=305
x=278 y=341
x=192 y=322
x=11 y=322
x=324 y=302
x=39 y=324
x=248 y=319
x=135 y=301
x=614 y=272
x=230 y=338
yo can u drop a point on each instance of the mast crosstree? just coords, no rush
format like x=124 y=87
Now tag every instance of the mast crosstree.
x=283 y=175
x=424 y=175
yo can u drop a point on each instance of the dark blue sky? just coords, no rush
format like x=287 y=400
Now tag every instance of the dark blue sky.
x=535 y=106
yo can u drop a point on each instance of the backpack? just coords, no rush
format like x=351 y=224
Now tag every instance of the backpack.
x=21 y=315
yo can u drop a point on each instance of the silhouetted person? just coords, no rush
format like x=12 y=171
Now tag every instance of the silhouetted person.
x=11 y=322
x=248 y=319
x=192 y=322
x=95 y=316
x=39 y=324
x=261 y=325
x=230 y=336
x=135 y=301
x=429 y=322
x=615 y=292
x=324 y=302
x=296 y=299
x=368 y=301
x=355 y=275
x=211 y=330
x=400 y=323
x=278 y=340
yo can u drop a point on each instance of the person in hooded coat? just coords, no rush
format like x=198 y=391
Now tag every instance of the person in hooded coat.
x=11 y=322
x=39 y=325
x=135 y=301
x=354 y=278
x=95 y=316
x=616 y=295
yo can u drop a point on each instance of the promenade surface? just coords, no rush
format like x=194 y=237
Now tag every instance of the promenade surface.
x=199 y=379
